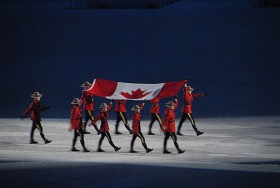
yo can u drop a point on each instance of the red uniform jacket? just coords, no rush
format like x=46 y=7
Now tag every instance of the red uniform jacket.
x=120 y=106
x=76 y=118
x=88 y=101
x=103 y=116
x=136 y=120
x=36 y=111
x=188 y=98
x=169 y=118
x=155 y=106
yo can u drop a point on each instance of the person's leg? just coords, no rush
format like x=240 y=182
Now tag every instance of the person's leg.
x=40 y=129
x=190 y=117
x=81 y=134
x=153 y=118
x=124 y=119
x=134 y=136
x=174 y=138
x=87 y=117
x=140 y=135
x=183 y=118
x=92 y=117
x=76 y=134
x=167 y=134
x=117 y=123
x=100 y=142
x=32 y=141
x=107 y=134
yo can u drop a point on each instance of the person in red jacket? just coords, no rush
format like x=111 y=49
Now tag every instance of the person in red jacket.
x=76 y=123
x=169 y=123
x=187 y=109
x=104 y=128
x=88 y=101
x=136 y=128
x=155 y=110
x=120 y=109
x=36 y=109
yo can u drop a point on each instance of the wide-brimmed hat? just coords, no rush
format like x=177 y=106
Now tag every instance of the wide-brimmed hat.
x=36 y=94
x=86 y=84
x=135 y=108
x=76 y=101
x=170 y=104
x=190 y=88
x=103 y=105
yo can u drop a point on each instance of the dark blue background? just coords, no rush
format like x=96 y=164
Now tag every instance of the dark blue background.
x=228 y=49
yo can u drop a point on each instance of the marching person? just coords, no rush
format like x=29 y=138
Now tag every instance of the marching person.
x=187 y=108
x=169 y=123
x=36 y=109
x=136 y=128
x=88 y=108
x=88 y=101
x=76 y=123
x=155 y=110
x=104 y=128
x=120 y=109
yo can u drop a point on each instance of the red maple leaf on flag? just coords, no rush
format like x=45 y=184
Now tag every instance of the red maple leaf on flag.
x=135 y=94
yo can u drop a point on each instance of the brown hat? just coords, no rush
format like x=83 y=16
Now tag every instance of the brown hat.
x=76 y=101
x=170 y=104
x=135 y=108
x=190 y=88
x=103 y=105
x=86 y=84
x=36 y=94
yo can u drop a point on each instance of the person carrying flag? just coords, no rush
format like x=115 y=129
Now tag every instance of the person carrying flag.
x=136 y=128
x=104 y=128
x=155 y=115
x=120 y=109
x=88 y=107
x=187 y=108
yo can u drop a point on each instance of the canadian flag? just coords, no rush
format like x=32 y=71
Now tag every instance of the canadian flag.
x=133 y=91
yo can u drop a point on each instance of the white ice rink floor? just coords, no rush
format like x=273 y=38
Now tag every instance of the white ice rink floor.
x=233 y=152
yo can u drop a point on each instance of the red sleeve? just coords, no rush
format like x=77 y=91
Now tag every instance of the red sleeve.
x=142 y=106
x=28 y=110
x=196 y=95
x=176 y=104
x=109 y=106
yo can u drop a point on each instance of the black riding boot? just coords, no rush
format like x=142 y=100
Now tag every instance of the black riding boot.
x=197 y=131
x=97 y=130
x=146 y=147
x=164 y=146
x=115 y=147
x=43 y=137
x=73 y=144
x=177 y=147
x=84 y=147
x=179 y=128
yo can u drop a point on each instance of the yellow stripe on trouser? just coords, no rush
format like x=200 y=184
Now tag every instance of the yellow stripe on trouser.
x=124 y=120
x=191 y=119
x=159 y=119
x=173 y=138
x=90 y=114
x=108 y=137
x=142 y=139
x=39 y=128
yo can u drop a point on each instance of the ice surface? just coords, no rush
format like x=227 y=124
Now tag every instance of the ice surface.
x=241 y=151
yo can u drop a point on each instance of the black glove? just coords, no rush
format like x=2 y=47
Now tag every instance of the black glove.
x=205 y=94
